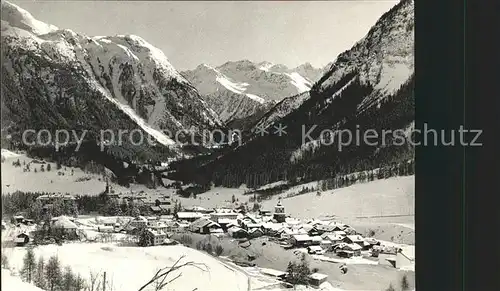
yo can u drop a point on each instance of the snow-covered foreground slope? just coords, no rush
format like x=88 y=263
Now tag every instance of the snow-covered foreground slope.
x=128 y=268
x=14 y=283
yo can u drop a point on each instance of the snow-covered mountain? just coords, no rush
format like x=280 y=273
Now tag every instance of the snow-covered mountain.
x=383 y=60
x=56 y=78
x=239 y=89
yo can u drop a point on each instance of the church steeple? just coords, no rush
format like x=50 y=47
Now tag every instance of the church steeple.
x=279 y=212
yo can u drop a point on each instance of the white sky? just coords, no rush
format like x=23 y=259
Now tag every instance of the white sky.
x=191 y=33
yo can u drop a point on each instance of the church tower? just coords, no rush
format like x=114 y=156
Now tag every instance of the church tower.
x=279 y=212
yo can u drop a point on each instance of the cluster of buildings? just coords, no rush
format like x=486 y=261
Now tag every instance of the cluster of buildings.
x=317 y=236
x=158 y=203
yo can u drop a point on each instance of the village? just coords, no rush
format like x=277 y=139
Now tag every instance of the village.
x=271 y=231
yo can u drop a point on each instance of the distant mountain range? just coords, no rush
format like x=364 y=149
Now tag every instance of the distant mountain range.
x=237 y=90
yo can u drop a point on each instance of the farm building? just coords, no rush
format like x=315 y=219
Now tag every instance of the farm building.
x=22 y=239
x=317 y=279
x=300 y=240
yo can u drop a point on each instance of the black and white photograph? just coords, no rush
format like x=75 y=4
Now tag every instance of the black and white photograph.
x=209 y=145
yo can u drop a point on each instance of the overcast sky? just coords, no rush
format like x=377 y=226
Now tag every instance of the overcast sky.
x=191 y=33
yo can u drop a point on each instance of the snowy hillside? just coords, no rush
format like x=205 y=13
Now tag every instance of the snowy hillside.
x=61 y=78
x=228 y=87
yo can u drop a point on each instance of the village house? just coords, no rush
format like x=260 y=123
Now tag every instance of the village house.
x=227 y=223
x=158 y=226
x=348 y=250
x=316 y=250
x=105 y=228
x=198 y=209
x=138 y=222
x=237 y=232
x=188 y=216
x=156 y=209
x=300 y=240
x=223 y=214
x=316 y=240
x=156 y=237
x=326 y=245
x=355 y=239
x=334 y=238
x=255 y=232
x=65 y=226
x=204 y=226
x=22 y=239
x=340 y=233
x=265 y=212
x=317 y=279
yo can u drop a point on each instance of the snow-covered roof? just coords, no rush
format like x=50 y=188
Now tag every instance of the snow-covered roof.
x=316 y=238
x=272 y=272
x=184 y=215
x=64 y=222
x=355 y=238
x=318 y=276
x=315 y=248
x=301 y=237
x=354 y=247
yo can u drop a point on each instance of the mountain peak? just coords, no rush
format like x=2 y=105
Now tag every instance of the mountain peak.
x=17 y=17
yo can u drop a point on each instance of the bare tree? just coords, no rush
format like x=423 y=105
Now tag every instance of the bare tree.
x=94 y=283
x=161 y=278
